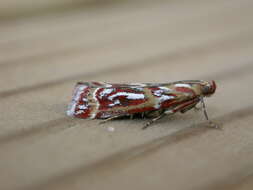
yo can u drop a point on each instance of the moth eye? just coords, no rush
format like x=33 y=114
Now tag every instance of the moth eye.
x=206 y=89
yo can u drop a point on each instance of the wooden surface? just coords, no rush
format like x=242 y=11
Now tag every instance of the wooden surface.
x=43 y=55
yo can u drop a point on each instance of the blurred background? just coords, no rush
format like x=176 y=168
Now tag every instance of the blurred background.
x=47 y=46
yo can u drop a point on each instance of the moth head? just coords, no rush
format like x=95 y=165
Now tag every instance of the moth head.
x=208 y=88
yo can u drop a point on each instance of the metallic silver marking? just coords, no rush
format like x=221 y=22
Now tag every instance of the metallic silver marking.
x=106 y=92
x=85 y=99
x=79 y=112
x=107 y=85
x=116 y=102
x=162 y=99
x=93 y=115
x=130 y=96
x=82 y=107
x=183 y=85
x=158 y=93
x=138 y=84
x=164 y=88
x=72 y=106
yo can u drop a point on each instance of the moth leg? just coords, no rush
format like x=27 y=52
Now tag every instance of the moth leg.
x=197 y=108
x=153 y=120
x=152 y=114
x=211 y=124
x=111 y=118
x=162 y=114
x=187 y=108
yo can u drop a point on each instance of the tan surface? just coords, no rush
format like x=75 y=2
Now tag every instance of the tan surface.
x=42 y=57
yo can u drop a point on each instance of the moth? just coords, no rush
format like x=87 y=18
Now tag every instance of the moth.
x=99 y=100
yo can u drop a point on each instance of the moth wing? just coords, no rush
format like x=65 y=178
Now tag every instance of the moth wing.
x=120 y=100
x=121 y=85
x=104 y=100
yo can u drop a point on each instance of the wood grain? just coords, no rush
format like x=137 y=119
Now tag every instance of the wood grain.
x=44 y=53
